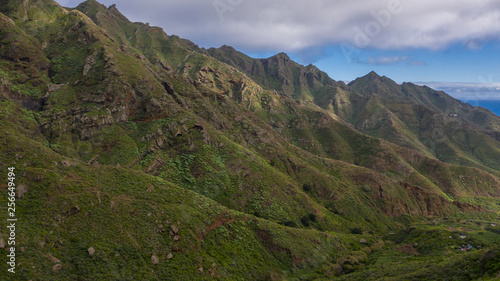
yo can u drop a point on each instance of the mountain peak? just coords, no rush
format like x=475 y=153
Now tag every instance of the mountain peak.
x=227 y=48
x=115 y=12
x=368 y=78
x=91 y=8
x=373 y=76
x=282 y=55
x=374 y=83
x=94 y=3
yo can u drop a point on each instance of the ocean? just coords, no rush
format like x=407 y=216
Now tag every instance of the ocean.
x=493 y=105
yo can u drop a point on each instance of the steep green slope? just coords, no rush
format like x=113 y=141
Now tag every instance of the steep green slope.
x=279 y=73
x=160 y=49
x=127 y=216
x=373 y=84
x=421 y=118
x=24 y=66
x=79 y=221
x=151 y=150
x=407 y=115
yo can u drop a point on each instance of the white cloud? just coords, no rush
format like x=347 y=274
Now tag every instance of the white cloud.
x=386 y=60
x=417 y=63
x=381 y=60
x=467 y=91
x=293 y=25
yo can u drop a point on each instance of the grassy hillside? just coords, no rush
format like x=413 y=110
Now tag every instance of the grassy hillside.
x=140 y=156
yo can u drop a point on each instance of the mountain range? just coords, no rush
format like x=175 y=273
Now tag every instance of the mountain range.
x=140 y=156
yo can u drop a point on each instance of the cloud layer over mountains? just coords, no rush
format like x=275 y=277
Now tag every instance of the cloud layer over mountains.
x=293 y=25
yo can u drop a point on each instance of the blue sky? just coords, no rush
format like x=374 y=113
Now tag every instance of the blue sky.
x=446 y=44
x=455 y=63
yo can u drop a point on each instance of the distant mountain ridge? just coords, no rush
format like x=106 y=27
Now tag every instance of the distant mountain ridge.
x=355 y=102
x=279 y=73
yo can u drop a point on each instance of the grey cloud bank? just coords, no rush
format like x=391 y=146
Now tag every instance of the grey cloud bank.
x=293 y=25
x=467 y=91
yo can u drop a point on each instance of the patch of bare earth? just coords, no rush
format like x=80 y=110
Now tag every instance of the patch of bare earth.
x=407 y=249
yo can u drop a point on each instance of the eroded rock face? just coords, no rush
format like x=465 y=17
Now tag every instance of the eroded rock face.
x=89 y=62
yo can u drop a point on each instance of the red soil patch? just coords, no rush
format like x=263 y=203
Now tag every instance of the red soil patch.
x=218 y=222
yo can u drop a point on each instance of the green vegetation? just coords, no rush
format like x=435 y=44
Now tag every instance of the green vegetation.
x=140 y=156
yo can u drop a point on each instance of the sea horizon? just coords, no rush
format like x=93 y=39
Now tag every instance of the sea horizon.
x=493 y=105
